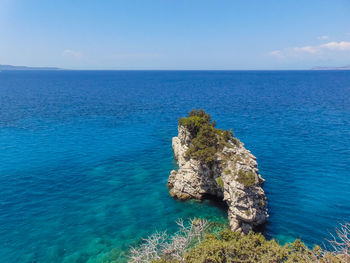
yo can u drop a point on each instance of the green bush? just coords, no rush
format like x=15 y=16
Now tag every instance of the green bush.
x=211 y=250
x=234 y=247
x=220 y=182
x=226 y=246
x=203 y=146
x=246 y=178
x=165 y=261
x=195 y=121
x=227 y=135
x=206 y=139
x=228 y=235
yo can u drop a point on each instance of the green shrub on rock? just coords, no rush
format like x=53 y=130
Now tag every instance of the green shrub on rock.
x=220 y=182
x=206 y=139
x=246 y=178
x=195 y=121
x=227 y=135
x=203 y=146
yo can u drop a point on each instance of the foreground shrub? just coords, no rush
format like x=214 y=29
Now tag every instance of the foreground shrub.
x=161 y=247
x=233 y=247
x=198 y=242
x=341 y=243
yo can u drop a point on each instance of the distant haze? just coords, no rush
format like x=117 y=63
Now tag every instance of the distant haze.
x=10 y=67
x=332 y=68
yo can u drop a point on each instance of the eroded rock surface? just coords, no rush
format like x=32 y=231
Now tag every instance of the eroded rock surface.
x=234 y=177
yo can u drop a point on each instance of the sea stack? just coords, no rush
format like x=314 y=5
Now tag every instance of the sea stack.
x=212 y=162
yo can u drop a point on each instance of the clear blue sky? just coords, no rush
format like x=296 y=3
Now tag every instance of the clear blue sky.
x=177 y=34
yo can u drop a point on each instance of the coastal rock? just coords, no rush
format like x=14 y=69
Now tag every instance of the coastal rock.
x=232 y=177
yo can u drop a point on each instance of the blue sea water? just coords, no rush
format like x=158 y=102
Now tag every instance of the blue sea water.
x=85 y=155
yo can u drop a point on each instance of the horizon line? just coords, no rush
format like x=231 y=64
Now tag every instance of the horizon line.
x=8 y=67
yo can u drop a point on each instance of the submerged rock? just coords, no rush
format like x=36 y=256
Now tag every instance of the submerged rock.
x=233 y=177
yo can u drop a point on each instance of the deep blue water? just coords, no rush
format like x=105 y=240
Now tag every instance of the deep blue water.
x=85 y=155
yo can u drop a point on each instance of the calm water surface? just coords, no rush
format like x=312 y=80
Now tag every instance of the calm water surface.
x=85 y=155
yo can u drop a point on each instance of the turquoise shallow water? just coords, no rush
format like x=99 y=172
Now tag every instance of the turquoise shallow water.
x=85 y=155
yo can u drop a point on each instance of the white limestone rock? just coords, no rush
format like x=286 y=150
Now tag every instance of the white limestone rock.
x=247 y=206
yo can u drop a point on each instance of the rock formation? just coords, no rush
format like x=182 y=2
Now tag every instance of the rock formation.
x=232 y=176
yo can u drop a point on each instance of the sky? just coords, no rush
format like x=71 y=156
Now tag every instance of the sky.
x=175 y=34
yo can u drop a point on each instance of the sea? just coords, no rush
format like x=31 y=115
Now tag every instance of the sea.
x=85 y=155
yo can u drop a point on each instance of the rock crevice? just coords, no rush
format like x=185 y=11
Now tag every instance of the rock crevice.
x=232 y=177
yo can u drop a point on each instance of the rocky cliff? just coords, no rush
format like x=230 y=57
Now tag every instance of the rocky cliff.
x=233 y=177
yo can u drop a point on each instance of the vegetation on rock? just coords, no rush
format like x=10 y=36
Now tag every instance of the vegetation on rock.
x=246 y=178
x=209 y=162
x=220 y=182
x=206 y=139
x=196 y=120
